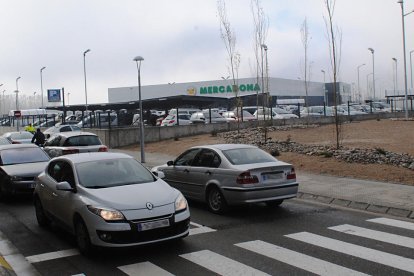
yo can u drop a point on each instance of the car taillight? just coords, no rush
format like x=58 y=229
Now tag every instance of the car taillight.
x=291 y=174
x=103 y=149
x=69 y=151
x=247 y=178
x=171 y=122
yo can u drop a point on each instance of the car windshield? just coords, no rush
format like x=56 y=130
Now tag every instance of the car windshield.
x=112 y=172
x=22 y=155
x=242 y=156
x=83 y=140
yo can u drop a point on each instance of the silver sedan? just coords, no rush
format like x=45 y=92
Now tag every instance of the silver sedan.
x=110 y=200
x=231 y=174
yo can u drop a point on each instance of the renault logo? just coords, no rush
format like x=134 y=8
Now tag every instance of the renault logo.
x=149 y=206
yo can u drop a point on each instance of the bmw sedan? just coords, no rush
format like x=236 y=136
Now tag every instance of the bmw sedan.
x=230 y=174
x=19 y=166
x=109 y=200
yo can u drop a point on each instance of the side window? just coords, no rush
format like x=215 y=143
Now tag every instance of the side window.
x=55 y=171
x=186 y=158
x=207 y=158
x=67 y=174
x=65 y=128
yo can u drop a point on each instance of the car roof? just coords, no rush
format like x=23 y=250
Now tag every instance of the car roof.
x=93 y=156
x=74 y=133
x=17 y=146
x=225 y=146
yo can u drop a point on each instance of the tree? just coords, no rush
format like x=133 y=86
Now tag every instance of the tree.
x=229 y=38
x=335 y=41
x=304 y=31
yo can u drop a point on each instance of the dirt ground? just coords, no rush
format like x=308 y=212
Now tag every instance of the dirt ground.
x=391 y=135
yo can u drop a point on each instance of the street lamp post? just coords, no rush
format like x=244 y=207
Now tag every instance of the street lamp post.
x=324 y=90
x=138 y=60
x=41 y=84
x=411 y=69
x=34 y=99
x=368 y=82
x=4 y=104
x=359 y=87
x=68 y=97
x=17 y=100
x=401 y=2
x=373 y=72
x=395 y=76
x=263 y=47
x=84 y=74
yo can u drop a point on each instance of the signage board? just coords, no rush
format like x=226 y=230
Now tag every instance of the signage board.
x=53 y=95
x=17 y=114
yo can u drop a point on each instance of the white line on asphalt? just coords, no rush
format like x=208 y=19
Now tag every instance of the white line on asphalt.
x=220 y=264
x=375 y=235
x=52 y=255
x=393 y=222
x=144 y=268
x=293 y=258
x=200 y=229
x=356 y=250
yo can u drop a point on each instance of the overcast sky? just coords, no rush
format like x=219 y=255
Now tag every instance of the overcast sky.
x=180 y=42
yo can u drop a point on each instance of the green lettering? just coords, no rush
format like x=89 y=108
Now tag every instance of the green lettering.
x=215 y=89
x=250 y=87
x=222 y=89
x=257 y=87
x=242 y=87
x=235 y=88
x=210 y=90
x=203 y=90
x=229 y=89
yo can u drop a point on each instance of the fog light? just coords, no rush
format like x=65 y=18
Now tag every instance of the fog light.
x=105 y=237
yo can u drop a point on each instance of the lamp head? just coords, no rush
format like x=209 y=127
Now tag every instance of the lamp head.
x=264 y=46
x=400 y=1
x=43 y=68
x=138 y=58
x=371 y=50
x=394 y=59
x=87 y=51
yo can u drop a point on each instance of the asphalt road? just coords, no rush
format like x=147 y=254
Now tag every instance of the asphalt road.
x=293 y=239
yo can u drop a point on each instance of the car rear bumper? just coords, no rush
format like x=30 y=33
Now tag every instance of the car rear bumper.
x=19 y=187
x=242 y=195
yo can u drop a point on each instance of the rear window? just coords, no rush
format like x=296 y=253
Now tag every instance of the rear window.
x=22 y=155
x=244 y=156
x=23 y=135
x=84 y=140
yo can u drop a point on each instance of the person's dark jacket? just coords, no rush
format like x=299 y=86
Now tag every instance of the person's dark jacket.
x=38 y=138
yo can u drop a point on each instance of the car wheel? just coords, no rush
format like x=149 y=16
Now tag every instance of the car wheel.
x=216 y=201
x=41 y=217
x=82 y=237
x=274 y=203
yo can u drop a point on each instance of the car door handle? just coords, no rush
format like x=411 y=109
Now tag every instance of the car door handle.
x=186 y=170
x=54 y=194
x=208 y=172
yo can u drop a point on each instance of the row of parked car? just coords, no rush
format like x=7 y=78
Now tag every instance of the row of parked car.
x=111 y=200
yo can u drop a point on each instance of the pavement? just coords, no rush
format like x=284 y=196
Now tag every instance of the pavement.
x=372 y=196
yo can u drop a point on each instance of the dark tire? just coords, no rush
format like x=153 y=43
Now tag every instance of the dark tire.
x=82 y=237
x=274 y=203
x=216 y=201
x=41 y=217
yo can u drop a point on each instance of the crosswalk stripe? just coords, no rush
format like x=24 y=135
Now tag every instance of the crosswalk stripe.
x=393 y=222
x=220 y=264
x=200 y=229
x=144 y=268
x=375 y=235
x=52 y=255
x=297 y=259
x=356 y=250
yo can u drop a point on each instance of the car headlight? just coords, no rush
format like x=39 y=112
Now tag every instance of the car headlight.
x=180 y=203
x=106 y=214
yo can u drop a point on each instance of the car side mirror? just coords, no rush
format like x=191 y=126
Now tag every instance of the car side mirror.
x=170 y=163
x=159 y=174
x=64 y=186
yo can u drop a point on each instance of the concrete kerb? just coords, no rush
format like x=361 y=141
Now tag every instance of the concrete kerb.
x=374 y=208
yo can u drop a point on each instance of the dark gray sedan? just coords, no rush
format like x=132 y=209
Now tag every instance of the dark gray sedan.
x=19 y=167
x=63 y=143
x=231 y=174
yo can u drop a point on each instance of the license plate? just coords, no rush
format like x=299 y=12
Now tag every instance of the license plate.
x=272 y=176
x=143 y=226
x=31 y=185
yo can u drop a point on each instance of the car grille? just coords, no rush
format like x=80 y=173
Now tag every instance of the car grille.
x=135 y=236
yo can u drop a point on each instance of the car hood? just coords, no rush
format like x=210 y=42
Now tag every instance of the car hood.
x=28 y=169
x=133 y=197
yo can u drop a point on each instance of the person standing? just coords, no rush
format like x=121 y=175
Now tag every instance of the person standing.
x=30 y=128
x=38 y=138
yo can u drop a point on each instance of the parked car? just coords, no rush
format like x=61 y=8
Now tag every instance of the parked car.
x=19 y=137
x=171 y=120
x=19 y=166
x=204 y=118
x=283 y=114
x=99 y=119
x=230 y=174
x=272 y=113
x=63 y=143
x=109 y=200
x=233 y=114
x=60 y=128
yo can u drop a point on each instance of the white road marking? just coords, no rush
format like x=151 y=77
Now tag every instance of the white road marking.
x=393 y=222
x=52 y=255
x=200 y=229
x=220 y=264
x=293 y=258
x=144 y=268
x=356 y=250
x=375 y=235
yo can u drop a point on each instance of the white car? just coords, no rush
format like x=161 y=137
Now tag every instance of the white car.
x=109 y=200
x=171 y=120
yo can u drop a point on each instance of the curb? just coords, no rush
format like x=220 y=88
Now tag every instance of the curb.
x=374 y=208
